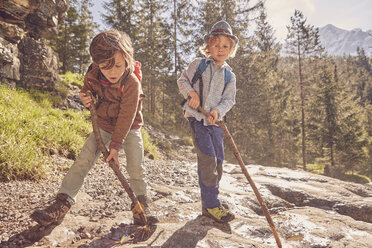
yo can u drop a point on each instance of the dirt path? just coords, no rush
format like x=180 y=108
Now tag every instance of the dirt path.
x=308 y=210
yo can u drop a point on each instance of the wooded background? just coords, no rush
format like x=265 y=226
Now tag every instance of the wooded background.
x=296 y=105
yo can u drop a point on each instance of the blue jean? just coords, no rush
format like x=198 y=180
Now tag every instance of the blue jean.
x=208 y=141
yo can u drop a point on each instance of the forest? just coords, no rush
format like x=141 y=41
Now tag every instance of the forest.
x=296 y=106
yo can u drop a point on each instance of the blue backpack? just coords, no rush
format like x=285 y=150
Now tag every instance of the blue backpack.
x=198 y=76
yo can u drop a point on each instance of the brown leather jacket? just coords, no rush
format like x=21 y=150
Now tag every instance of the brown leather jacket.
x=118 y=110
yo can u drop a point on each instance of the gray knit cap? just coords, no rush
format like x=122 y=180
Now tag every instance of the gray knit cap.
x=221 y=27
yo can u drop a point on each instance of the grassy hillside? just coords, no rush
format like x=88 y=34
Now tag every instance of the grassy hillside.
x=31 y=129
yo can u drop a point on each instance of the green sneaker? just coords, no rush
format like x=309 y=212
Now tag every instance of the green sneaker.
x=205 y=211
x=219 y=214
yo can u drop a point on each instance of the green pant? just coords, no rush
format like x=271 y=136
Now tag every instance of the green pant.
x=133 y=147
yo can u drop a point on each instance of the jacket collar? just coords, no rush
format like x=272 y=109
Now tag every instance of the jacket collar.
x=94 y=75
x=224 y=65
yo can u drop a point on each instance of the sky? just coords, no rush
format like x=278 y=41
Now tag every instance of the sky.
x=344 y=14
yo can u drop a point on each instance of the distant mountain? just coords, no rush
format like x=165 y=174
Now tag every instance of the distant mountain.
x=337 y=41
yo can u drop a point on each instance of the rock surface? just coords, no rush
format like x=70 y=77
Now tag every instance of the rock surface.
x=24 y=59
x=308 y=210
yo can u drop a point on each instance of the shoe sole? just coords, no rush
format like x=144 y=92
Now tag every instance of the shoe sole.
x=35 y=216
x=219 y=221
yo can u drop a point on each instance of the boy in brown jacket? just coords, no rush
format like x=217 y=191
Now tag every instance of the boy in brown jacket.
x=114 y=79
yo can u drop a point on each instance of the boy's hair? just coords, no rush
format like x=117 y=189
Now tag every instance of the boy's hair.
x=107 y=43
x=212 y=39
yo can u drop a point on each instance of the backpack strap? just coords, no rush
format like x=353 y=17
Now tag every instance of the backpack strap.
x=198 y=76
x=227 y=79
x=198 y=73
x=203 y=65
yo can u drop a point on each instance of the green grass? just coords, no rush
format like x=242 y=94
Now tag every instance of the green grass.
x=70 y=78
x=356 y=178
x=148 y=145
x=67 y=80
x=315 y=168
x=30 y=129
x=350 y=177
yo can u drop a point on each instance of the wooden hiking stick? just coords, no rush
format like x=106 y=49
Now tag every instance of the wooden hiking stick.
x=103 y=149
x=222 y=125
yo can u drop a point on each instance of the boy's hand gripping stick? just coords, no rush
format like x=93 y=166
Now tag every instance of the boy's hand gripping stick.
x=103 y=149
x=245 y=172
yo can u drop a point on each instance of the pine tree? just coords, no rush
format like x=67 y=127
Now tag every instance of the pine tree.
x=74 y=36
x=302 y=41
x=83 y=36
x=268 y=95
x=184 y=31
x=181 y=34
x=336 y=125
x=353 y=141
x=123 y=16
x=265 y=35
x=153 y=50
x=63 y=43
x=144 y=22
x=367 y=168
x=364 y=78
x=323 y=126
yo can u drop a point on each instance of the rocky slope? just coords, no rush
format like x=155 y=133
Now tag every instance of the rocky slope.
x=25 y=60
x=337 y=41
x=308 y=210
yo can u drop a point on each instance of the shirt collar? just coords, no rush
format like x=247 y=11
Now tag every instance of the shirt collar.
x=224 y=65
x=103 y=80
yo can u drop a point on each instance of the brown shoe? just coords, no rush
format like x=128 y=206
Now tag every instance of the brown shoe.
x=142 y=200
x=55 y=212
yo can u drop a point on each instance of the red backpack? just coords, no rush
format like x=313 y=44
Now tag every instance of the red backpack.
x=137 y=71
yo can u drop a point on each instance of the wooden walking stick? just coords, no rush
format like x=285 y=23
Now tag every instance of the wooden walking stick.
x=222 y=125
x=103 y=149
x=147 y=229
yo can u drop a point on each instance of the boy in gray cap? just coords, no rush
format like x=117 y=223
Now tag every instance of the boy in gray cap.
x=214 y=90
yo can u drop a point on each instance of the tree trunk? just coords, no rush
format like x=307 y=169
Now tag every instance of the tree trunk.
x=302 y=108
x=175 y=36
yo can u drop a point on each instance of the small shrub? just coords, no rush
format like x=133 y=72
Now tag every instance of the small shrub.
x=356 y=178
